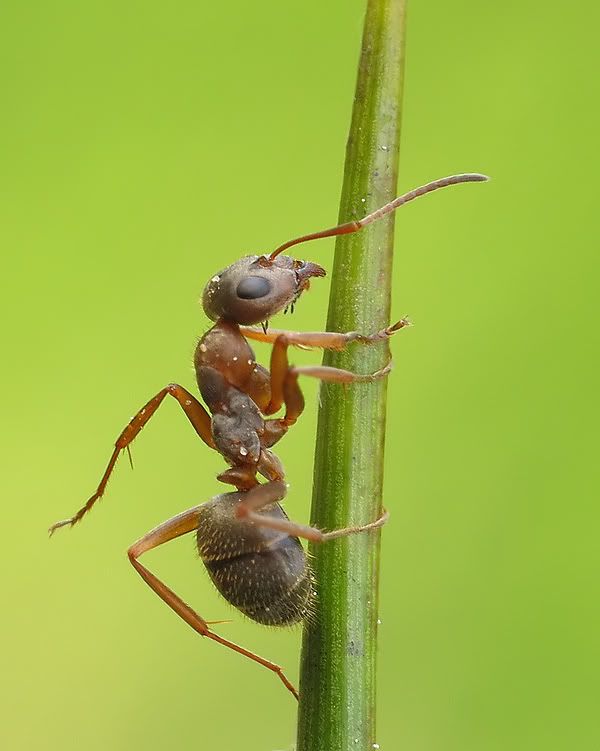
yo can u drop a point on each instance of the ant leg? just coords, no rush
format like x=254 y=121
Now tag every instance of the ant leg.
x=273 y=492
x=284 y=384
x=279 y=372
x=254 y=499
x=323 y=339
x=259 y=496
x=169 y=530
x=335 y=533
x=196 y=414
x=338 y=375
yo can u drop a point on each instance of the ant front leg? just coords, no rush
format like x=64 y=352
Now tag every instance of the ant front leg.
x=323 y=339
x=169 y=530
x=195 y=413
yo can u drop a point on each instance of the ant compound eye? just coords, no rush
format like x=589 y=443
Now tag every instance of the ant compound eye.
x=253 y=287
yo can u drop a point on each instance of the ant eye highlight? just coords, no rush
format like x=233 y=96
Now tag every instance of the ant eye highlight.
x=253 y=287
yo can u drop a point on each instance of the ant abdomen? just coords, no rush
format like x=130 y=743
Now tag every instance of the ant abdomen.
x=260 y=571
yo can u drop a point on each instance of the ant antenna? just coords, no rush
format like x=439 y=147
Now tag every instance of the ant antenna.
x=349 y=227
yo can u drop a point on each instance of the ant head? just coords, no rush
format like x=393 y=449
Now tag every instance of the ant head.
x=255 y=288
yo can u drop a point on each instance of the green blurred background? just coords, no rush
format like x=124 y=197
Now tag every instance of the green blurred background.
x=145 y=145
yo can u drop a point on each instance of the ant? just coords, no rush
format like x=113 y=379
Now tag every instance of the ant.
x=249 y=546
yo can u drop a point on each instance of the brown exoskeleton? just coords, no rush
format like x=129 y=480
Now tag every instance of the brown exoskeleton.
x=247 y=543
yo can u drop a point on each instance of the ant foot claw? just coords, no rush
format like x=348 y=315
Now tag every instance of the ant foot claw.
x=58 y=525
x=401 y=324
x=382 y=373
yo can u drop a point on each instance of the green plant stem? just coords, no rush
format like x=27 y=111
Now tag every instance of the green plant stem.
x=337 y=681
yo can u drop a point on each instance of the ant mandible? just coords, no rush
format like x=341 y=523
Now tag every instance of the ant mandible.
x=247 y=543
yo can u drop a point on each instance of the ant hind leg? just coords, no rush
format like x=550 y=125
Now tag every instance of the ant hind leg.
x=314 y=534
x=169 y=530
x=275 y=491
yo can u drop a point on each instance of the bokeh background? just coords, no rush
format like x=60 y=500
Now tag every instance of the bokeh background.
x=143 y=146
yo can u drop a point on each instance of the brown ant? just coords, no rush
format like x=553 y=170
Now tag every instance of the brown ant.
x=247 y=543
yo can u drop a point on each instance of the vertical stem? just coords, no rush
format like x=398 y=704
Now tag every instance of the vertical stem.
x=337 y=682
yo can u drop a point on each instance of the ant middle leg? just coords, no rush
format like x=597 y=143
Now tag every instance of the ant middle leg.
x=169 y=530
x=284 y=380
x=196 y=414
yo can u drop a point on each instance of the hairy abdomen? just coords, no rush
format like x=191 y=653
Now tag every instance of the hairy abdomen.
x=258 y=570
